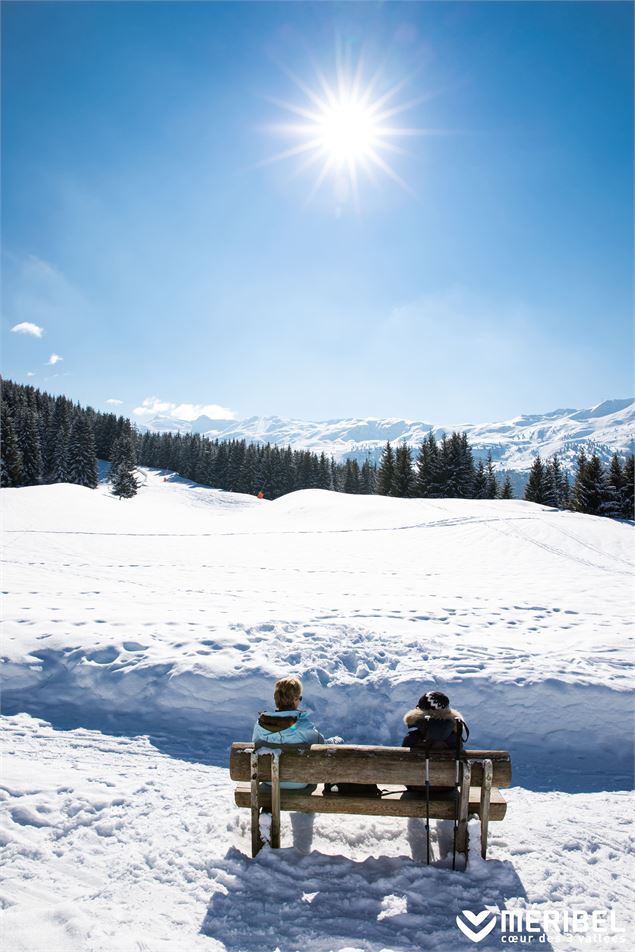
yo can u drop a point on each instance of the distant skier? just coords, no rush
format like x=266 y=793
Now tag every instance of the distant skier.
x=287 y=726
x=261 y=495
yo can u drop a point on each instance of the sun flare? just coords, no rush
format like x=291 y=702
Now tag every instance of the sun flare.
x=345 y=128
x=348 y=131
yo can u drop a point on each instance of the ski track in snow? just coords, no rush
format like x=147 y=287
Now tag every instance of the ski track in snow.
x=171 y=615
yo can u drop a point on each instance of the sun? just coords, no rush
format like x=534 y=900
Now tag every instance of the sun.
x=346 y=129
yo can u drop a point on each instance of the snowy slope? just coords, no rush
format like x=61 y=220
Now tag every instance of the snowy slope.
x=169 y=607
x=169 y=616
x=607 y=427
x=111 y=846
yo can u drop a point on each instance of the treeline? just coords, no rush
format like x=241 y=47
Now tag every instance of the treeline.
x=238 y=466
x=596 y=490
x=441 y=469
x=48 y=439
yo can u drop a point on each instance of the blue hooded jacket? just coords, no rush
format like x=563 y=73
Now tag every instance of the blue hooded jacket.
x=285 y=729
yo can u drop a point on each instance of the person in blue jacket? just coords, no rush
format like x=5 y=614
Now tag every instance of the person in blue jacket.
x=287 y=726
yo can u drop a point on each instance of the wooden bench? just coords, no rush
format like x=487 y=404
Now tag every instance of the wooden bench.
x=482 y=773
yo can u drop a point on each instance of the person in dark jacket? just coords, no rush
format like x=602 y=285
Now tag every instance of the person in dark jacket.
x=433 y=724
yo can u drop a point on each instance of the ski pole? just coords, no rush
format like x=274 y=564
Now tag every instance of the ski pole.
x=427 y=809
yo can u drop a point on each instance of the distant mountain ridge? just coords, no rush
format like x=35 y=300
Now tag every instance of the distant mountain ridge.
x=605 y=428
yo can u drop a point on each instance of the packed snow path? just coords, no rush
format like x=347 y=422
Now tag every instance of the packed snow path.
x=172 y=613
x=111 y=846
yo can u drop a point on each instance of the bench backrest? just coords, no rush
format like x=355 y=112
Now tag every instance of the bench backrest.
x=348 y=763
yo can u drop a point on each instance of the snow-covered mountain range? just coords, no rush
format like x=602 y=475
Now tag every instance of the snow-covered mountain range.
x=607 y=427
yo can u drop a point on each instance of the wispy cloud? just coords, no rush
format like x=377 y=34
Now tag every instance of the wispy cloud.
x=153 y=406
x=54 y=359
x=114 y=402
x=26 y=327
x=30 y=373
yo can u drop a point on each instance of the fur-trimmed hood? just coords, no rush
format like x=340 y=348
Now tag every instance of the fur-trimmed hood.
x=416 y=716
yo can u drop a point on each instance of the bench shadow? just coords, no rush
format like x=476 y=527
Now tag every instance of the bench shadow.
x=289 y=899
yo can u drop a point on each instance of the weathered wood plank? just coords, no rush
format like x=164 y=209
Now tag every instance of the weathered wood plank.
x=346 y=763
x=254 y=803
x=392 y=804
x=486 y=793
x=464 y=807
x=275 y=803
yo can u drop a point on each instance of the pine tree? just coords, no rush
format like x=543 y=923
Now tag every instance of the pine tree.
x=10 y=454
x=404 y=477
x=367 y=478
x=565 y=492
x=627 y=491
x=351 y=476
x=335 y=479
x=124 y=484
x=552 y=483
x=82 y=459
x=427 y=468
x=386 y=472
x=123 y=453
x=507 y=491
x=286 y=478
x=535 y=489
x=458 y=464
x=324 y=477
x=615 y=484
x=28 y=434
x=480 y=482
x=59 y=472
x=578 y=493
x=235 y=465
x=250 y=466
x=106 y=428
x=590 y=491
x=491 y=488
x=58 y=418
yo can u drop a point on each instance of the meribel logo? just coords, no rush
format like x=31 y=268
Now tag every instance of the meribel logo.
x=481 y=925
x=529 y=925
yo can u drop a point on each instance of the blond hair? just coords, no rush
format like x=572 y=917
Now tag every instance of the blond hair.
x=286 y=693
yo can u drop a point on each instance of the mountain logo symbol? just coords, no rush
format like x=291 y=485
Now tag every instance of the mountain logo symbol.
x=482 y=924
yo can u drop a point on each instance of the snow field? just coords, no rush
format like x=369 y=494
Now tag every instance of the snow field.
x=168 y=608
x=110 y=845
x=170 y=616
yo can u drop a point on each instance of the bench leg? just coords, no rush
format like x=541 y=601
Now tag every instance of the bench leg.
x=275 y=802
x=256 y=841
x=464 y=804
x=486 y=792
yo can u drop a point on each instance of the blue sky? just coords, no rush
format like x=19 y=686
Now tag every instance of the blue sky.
x=149 y=244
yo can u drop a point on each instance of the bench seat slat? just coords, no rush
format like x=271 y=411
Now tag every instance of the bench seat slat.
x=344 y=763
x=390 y=804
